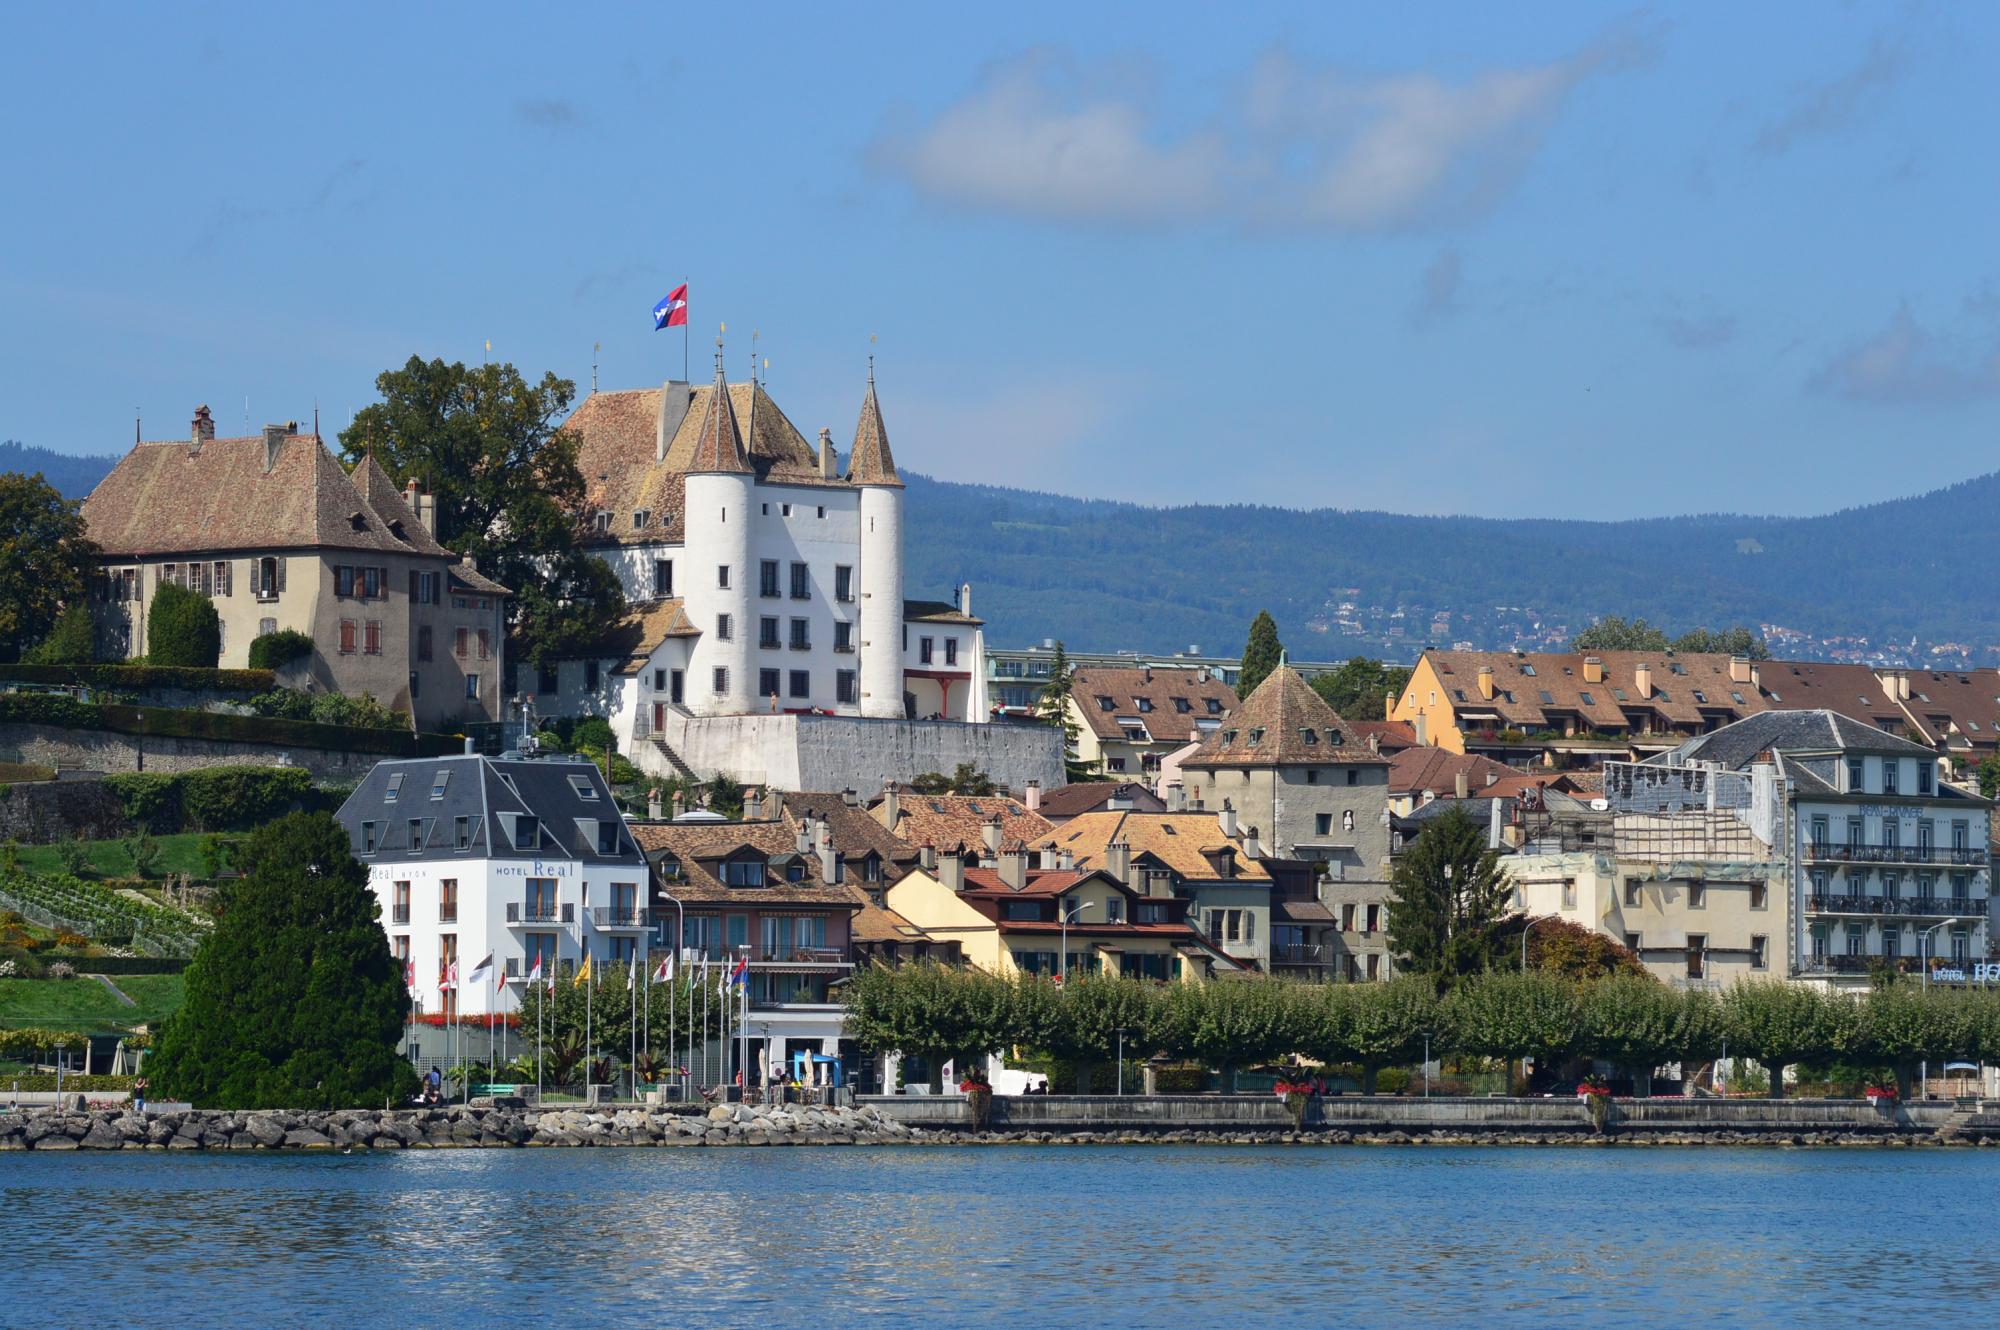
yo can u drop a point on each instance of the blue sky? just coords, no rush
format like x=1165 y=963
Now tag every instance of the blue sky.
x=1501 y=260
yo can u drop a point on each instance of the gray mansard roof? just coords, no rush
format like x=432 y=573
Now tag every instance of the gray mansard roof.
x=1791 y=732
x=568 y=798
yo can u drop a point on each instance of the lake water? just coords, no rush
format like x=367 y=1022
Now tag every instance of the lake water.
x=1017 y=1237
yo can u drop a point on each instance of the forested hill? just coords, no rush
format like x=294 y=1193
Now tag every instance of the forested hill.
x=1105 y=576
x=1108 y=575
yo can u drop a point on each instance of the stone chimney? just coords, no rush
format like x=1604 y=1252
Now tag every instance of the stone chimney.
x=951 y=870
x=1642 y=682
x=1031 y=799
x=1065 y=861
x=1593 y=669
x=1118 y=862
x=1739 y=669
x=1048 y=858
x=274 y=442
x=891 y=805
x=1421 y=727
x=1226 y=819
x=1461 y=786
x=680 y=803
x=1176 y=797
x=201 y=431
x=753 y=807
x=829 y=461
x=674 y=398
x=1756 y=675
x=927 y=858
x=1388 y=706
x=1486 y=682
x=832 y=864
x=1014 y=868
x=989 y=832
x=653 y=803
x=1251 y=848
x=804 y=841
x=965 y=599
x=850 y=798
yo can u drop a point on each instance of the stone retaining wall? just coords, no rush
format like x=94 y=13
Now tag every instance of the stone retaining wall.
x=113 y=751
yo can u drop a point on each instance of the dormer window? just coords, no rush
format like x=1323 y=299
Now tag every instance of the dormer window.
x=584 y=789
x=743 y=873
x=1143 y=703
x=1182 y=706
x=1256 y=735
x=527 y=833
x=395 y=788
x=1214 y=706
x=1228 y=738
x=1311 y=736
x=642 y=519
x=602 y=521
x=1106 y=704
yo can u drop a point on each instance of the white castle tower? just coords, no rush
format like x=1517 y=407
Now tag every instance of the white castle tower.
x=872 y=469
x=721 y=486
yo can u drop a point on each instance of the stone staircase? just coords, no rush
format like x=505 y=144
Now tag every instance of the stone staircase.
x=673 y=759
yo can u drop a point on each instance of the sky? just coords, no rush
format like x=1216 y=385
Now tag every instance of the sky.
x=1549 y=260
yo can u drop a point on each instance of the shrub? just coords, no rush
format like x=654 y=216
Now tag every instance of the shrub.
x=75 y=855
x=167 y=722
x=212 y=798
x=183 y=629
x=362 y=712
x=151 y=803
x=145 y=852
x=592 y=735
x=72 y=641
x=61 y=970
x=137 y=677
x=272 y=651
x=71 y=940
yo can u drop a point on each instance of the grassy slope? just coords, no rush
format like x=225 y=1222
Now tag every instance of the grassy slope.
x=84 y=1004
x=108 y=858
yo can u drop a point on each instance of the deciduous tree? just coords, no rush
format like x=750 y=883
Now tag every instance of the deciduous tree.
x=45 y=557
x=1780 y=1024
x=1361 y=687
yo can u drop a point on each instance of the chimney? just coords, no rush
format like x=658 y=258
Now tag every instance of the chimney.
x=753 y=807
x=471 y=745
x=831 y=867
x=1492 y=778
x=1375 y=743
x=1593 y=669
x=1756 y=675
x=1388 y=706
x=1048 y=858
x=927 y=858
x=989 y=832
x=274 y=443
x=1032 y=799
x=951 y=870
x=1118 y=862
x=1227 y=819
x=674 y=398
x=1176 y=797
x=804 y=841
x=849 y=798
x=1065 y=861
x=1146 y=673
x=652 y=801
x=1902 y=685
x=201 y=431
x=1014 y=868
x=1739 y=669
x=1421 y=727
x=1462 y=787
x=1486 y=682
x=965 y=599
x=680 y=804
x=1642 y=682
x=1251 y=849
x=891 y=805
x=829 y=462
x=1493 y=827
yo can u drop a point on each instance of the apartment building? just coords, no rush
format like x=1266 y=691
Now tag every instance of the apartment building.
x=279 y=536
x=1128 y=720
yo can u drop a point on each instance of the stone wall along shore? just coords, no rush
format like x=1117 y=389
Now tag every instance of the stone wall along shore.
x=447 y=1128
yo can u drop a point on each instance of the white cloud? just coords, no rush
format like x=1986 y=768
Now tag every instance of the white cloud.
x=1045 y=136
x=1903 y=363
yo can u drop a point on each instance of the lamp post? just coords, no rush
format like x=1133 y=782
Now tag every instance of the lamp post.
x=1062 y=961
x=1529 y=928
x=1427 y=1064
x=1121 y=1059
x=1924 y=1068
x=680 y=936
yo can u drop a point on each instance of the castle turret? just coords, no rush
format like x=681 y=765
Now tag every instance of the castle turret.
x=720 y=495
x=872 y=469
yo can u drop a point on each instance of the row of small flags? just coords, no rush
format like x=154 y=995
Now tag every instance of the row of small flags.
x=480 y=973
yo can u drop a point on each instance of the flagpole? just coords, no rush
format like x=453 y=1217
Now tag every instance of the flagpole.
x=684 y=339
x=632 y=1034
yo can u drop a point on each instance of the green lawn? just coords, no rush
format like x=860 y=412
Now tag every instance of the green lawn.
x=85 y=1004
x=108 y=858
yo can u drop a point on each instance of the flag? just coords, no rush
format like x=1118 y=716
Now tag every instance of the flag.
x=482 y=971
x=673 y=311
x=450 y=979
x=410 y=975
x=740 y=976
x=500 y=984
x=583 y=972
x=632 y=973
x=664 y=972
x=536 y=973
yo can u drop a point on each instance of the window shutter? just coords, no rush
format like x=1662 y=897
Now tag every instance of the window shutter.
x=281 y=576
x=415 y=576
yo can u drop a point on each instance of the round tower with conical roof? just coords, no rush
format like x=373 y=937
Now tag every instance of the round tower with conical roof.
x=872 y=470
x=720 y=491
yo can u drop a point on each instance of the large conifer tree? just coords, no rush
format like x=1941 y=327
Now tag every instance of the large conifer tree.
x=294 y=1000
x=1261 y=653
x=1448 y=913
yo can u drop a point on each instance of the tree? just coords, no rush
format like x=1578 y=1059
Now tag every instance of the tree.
x=73 y=640
x=1780 y=1024
x=1448 y=907
x=1738 y=641
x=1636 y=1023
x=1578 y=952
x=1052 y=706
x=1518 y=1015
x=1359 y=689
x=1988 y=773
x=1079 y=1021
x=964 y=779
x=1905 y=1024
x=1390 y=1022
x=1612 y=633
x=485 y=442
x=45 y=556
x=182 y=628
x=931 y=1011
x=293 y=1001
x=270 y=651
x=1225 y=1024
x=1261 y=653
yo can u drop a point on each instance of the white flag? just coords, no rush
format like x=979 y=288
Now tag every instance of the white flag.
x=482 y=971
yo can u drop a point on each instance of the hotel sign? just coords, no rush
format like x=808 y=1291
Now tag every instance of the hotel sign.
x=1979 y=972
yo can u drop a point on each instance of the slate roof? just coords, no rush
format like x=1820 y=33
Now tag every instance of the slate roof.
x=952 y=821
x=167 y=498
x=1150 y=695
x=1735 y=746
x=483 y=789
x=1283 y=723
x=1521 y=678
x=700 y=846
x=1175 y=839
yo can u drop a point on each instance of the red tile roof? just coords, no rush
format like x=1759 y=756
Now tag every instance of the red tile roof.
x=1153 y=696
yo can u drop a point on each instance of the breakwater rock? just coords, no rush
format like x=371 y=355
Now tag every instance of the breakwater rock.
x=450 y=1128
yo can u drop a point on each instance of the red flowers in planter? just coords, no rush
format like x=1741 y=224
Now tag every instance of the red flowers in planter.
x=1585 y=1088
x=1880 y=1093
x=438 y=1020
x=972 y=1083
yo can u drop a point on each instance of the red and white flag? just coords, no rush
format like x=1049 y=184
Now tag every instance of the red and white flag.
x=410 y=975
x=536 y=973
x=673 y=311
x=450 y=979
x=664 y=971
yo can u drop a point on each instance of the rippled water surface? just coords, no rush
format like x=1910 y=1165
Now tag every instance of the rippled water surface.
x=1014 y=1237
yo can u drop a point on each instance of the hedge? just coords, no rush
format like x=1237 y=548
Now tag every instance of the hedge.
x=183 y=628
x=129 y=677
x=271 y=650
x=233 y=798
x=167 y=723
x=77 y=1081
x=34 y=1042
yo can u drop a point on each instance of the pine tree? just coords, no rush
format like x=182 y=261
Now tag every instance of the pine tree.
x=294 y=1000
x=1448 y=912
x=1053 y=705
x=1261 y=653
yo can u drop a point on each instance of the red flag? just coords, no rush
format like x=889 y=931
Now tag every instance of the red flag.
x=673 y=311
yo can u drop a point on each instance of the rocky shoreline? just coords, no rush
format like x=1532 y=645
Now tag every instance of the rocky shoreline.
x=738 y=1125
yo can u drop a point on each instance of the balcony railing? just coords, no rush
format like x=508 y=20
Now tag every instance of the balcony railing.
x=1302 y=953
x=1859 y=964
x=620 y=916
x=1936 y=907
x=1828 y=852
x=540 y=912
x=762 y=955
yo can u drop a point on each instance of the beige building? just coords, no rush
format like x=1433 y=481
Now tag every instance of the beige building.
x=278 y=535
x=1129 y=720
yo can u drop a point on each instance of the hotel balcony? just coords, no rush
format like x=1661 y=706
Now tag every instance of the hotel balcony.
x=1303 y=955
x=1934 y=907
x=619 y=918
x=1829 y=853
x=524 y=914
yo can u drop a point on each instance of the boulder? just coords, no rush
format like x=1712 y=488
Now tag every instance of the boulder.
x=265 y=1129
x=305 y=1138
x=102 y=1136
x=55 y=1140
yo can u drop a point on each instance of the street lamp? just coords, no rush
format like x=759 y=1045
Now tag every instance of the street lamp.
x=1427 y=1064
x=1121 y=1059
x=1924 y=1069
x=1062 y=961
x=1529 y=928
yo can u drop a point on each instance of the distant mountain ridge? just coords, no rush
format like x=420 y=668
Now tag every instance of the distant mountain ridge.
x=1103 y=575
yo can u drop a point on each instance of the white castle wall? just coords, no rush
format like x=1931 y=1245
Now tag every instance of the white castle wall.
x=824 y=753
